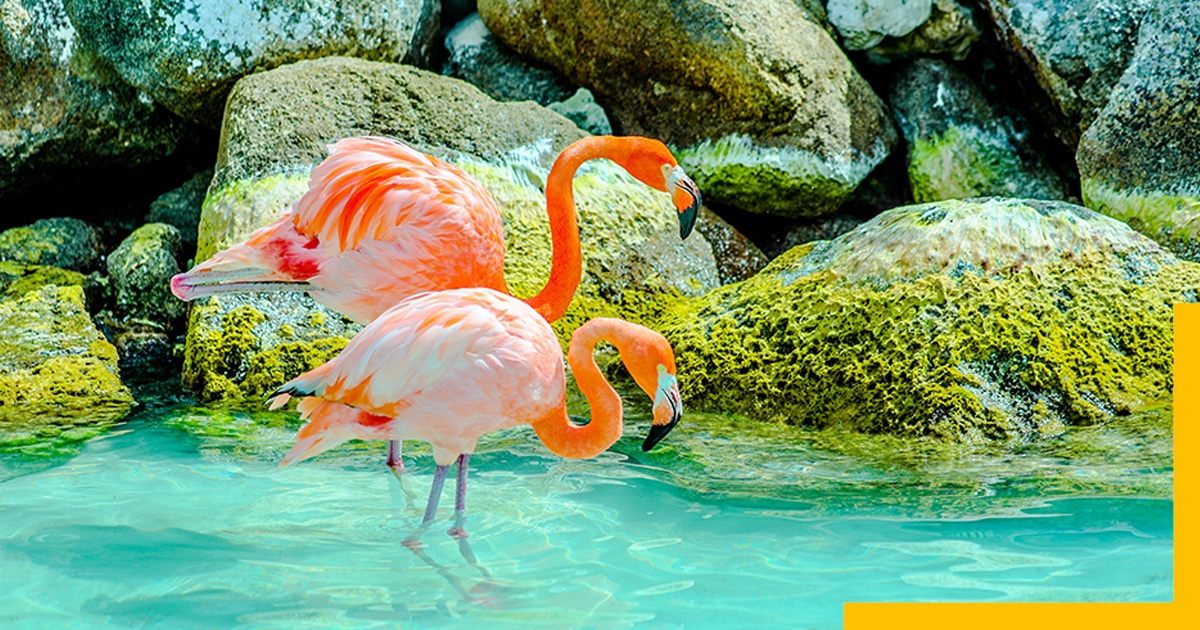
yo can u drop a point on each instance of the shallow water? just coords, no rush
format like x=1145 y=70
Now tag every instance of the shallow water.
x=187 y=523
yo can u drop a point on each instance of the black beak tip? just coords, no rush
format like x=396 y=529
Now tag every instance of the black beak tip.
x=657 y=433
x=687 y=219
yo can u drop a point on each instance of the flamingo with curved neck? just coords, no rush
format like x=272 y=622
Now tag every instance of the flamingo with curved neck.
x=382 y=221
x=450 y=366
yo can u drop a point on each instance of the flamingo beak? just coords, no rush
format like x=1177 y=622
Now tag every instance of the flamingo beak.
x=686 y=197
x=668 y=409
x=231 y=277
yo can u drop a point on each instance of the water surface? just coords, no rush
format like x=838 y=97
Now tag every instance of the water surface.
x=186 y=522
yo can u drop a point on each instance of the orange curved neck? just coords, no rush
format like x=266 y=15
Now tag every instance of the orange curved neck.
x=566 y=263
x=557 y=431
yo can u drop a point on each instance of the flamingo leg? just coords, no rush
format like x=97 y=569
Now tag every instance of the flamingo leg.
x=393 y=458
x=460 y=499
x=435 y=495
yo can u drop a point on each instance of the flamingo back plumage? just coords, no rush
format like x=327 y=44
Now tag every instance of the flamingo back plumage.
x=448 y=366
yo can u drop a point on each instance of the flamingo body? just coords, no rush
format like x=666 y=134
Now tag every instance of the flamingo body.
x=379 y=222
x=382 y=221
x=443 y=367
x=450 y=366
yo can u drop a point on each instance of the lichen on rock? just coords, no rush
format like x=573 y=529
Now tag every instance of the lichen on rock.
x=63 y=242
x=962 y=320
x=58 y=375
x=141 y=268
x=241 y=346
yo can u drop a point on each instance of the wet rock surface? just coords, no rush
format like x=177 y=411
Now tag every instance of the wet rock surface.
x=961 y=320
x=59 y=242
x=961 y=146
x=58 y=375
x=187 y=54
x=1139 y=160
x=769 y=115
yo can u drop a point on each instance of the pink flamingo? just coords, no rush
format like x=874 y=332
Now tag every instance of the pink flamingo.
x=381 y=222
x=449 y=366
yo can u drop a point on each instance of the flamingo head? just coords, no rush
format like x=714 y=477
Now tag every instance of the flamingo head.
x=652 y=365
x=652 y=163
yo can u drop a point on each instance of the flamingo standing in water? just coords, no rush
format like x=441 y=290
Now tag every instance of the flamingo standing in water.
x=449 y=366
x=381 y=222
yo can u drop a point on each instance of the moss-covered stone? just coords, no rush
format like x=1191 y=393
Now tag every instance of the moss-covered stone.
x=1173 y=220
x=58 y=242
x=241 y=346
x=760 y=75
x=58 y=375
x=958 y=320
x=961 y=145
x=141 y=269
x=1139 y=160
x=784 y=181
x=17 y=279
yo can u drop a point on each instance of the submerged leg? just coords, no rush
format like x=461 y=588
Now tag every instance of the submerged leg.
x=393 y=458
x=435 y=495
x=460 y=499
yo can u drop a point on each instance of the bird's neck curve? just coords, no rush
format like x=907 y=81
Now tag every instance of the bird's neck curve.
x=566 y=263
x=561 y=434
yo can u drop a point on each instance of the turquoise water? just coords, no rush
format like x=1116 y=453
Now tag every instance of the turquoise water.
x=162 y=524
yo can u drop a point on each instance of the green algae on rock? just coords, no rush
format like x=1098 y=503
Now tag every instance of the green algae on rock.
x=960 y=145
x=961 y=320
x=141 y=268
x=17 y=279
x=242 y=346
x=58 y=375
x=769 y=115
x=1138 y=159
x=58 y=242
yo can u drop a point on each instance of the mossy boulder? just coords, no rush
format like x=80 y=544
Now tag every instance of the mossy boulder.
x=767 y=112
x=244 y=346
x=17 y=279
x=961 y=146
x=63 y=242
x=187 y=55
x=960 y=320
x=58 y=376
x=1139 y=161
x=140 y=269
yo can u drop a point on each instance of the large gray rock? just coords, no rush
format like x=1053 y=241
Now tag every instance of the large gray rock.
x=769 y=114
x=277 y=127
x=1139 y=161
x=187 y=54
x=961 y=146
x=962 y=320
x=63 y=107
x=1075 y=50
x=63 y=242
x=477 y=57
